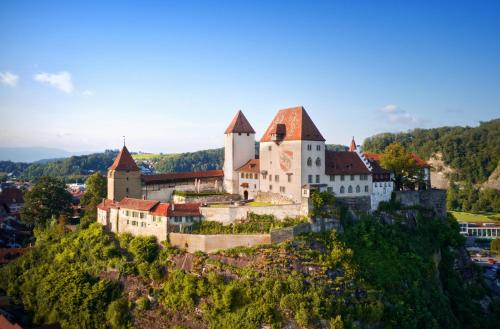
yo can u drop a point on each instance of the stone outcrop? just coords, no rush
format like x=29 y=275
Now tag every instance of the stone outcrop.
x=433 y=199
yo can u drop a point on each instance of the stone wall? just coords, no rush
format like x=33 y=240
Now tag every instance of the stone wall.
x=212 y=243
x=357 y=204
x=229 y=214
x=432 y=199
x=274 y=198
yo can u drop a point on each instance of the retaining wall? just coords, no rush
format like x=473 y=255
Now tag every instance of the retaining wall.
x=211 y=243
x=229 y=214
x=434 y=199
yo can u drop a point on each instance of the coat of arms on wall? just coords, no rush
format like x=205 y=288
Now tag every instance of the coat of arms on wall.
x=286 y=158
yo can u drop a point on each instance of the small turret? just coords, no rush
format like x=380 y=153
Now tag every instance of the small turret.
x=124 y=177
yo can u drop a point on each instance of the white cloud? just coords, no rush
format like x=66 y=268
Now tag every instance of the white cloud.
x=396 y=115
x=61 y=80
x=88 y=93
x=9 y=79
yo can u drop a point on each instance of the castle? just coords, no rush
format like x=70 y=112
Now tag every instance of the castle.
x=293 y=160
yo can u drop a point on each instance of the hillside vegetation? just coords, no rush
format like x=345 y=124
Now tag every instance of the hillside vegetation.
x=371 y=276
x=473 y=151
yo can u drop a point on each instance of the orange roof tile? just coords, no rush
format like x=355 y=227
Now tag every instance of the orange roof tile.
x=124 y=161
x=106 y=204
x=138 y=204
x=295 y=124
x=184 y=209
x=160 y=209
x=251 y=166
x=344 y=163
x=239 y=124
x=181 y=176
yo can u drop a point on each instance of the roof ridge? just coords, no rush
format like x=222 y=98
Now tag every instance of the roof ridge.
x=124 y=161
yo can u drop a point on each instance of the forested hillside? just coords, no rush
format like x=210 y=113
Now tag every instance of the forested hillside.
x=473 y=151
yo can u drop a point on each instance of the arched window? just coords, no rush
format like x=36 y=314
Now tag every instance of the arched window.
x=342 y=189
x=349 y=189
x=309 y=162
x=358 y=189
x=318 y=162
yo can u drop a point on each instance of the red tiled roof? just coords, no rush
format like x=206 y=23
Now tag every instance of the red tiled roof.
x=11 y=195
x=184 y=209
x=421 y=163
x=138 y=204
x=239 y=124
x=6 y=324
x=161 y=209
x=295 y=124
x=352 y=147
x=106 y=204
x=181 y=176
x=124 y=161
x=251 y=166
x=344 y=163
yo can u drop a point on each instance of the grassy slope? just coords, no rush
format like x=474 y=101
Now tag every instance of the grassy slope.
x=475 y=218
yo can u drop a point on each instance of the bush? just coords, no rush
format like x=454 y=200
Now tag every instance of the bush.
x=118 y=314
x=144 y=249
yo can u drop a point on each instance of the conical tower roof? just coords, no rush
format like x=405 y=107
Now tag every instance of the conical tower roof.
x=124 y=161
x=353 y=147
x=239 y=124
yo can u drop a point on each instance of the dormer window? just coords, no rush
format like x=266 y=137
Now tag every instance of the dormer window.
x=278 y=133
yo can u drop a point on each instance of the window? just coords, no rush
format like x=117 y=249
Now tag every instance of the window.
x=332 y=178
x=134 y=223
x=363 y=177
x=134 y=214
x=318 y=147
x=342 y=189
x=309 y=147
x=128 y=222
x=270 y=187
x=289 y=178
x=352 y=177
x=309 y=162
x=349 y=189
x=276 y=178
x=264 y=176
x=282 y=189
x=127 y=177
x=143 y=224
x=342 y=177
x=270 y=177
x=255 y=186
x=366 y=188
x=256 y=176
x=310 y=179
x=248 y=134
x=239 y=134
x=127 y=213
x=242 y=175
x=358 y=189
x=269 y=148
x=318 y=162
x=329 y=189
x=126 y=190
x=317 y=179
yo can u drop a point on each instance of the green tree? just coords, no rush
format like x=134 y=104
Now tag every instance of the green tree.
x=118 y=314
x=96 y=188
x=47 y=199
x=400 y=162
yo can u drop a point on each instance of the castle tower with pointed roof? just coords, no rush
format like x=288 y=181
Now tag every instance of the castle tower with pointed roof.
x=124 y=177
x=239 y=148
x=292 y=155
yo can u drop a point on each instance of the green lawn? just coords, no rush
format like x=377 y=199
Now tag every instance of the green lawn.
x=477 y=218
x=259 y=204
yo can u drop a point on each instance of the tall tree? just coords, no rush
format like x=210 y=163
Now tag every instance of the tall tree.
x=400 y=162
x=47 y=199
x=95 y=191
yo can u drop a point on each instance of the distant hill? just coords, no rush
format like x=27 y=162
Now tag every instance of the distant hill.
x=32 y=154
x=472 y=154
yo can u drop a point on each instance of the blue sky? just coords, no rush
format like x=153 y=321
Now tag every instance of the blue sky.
x=170 y=75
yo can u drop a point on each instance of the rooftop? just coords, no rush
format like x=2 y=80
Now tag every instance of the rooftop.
x=239 y=124
x=124 y=161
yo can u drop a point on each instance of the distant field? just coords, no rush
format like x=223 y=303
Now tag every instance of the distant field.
x=148 y=156
x=477 y=218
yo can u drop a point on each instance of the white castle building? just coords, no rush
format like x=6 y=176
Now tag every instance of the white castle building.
x=293 y=160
